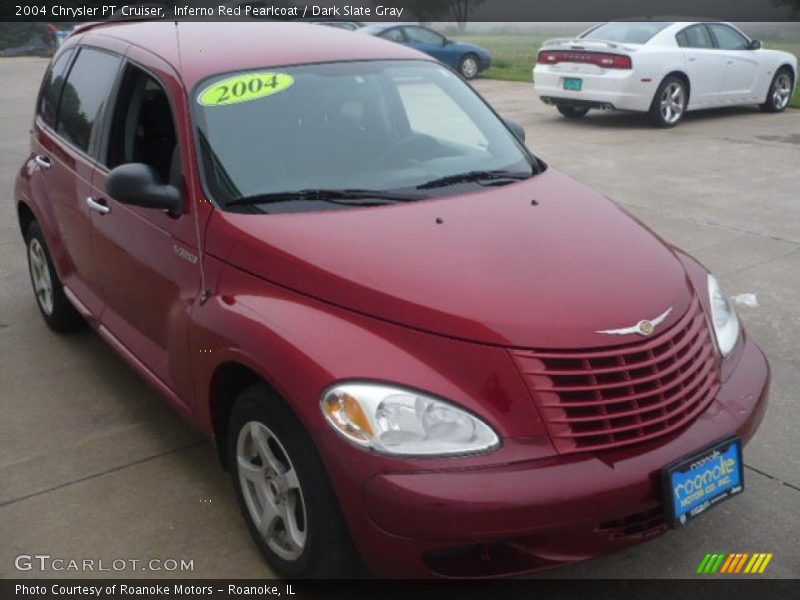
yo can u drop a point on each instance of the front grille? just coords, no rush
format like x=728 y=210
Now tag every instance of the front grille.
x=598 y=399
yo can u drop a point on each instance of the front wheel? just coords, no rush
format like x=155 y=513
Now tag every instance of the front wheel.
x=572 y=112
x=469 y=67
x=780 y=92
x=669 y=103
x=283 y=490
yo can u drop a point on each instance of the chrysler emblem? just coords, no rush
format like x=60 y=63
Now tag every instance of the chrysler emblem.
x=645 y=327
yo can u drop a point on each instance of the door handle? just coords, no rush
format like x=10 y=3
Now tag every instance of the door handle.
x=730 y=62
x=97 y=205
x=43 y=161
x=692 y=59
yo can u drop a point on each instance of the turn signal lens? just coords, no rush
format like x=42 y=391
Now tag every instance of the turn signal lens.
x=343 y=411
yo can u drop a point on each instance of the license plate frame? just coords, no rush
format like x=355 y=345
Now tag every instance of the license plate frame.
x=680 y=511
x=572 y=84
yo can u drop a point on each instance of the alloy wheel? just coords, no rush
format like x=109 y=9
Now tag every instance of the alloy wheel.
x=469 y=67
x=673 y=102
x=40 y=275
x=782 y=91
x=271 y=490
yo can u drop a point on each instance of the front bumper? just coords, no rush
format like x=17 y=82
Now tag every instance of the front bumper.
x=512 y=518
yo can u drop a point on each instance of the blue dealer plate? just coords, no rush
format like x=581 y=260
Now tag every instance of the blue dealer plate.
x=573 y=83
x=696 y=483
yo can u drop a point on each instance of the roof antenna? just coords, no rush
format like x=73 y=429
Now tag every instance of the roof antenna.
x=178 y=46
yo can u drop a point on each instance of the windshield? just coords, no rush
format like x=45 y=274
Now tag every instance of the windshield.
x=630 y=32
x=366 y=127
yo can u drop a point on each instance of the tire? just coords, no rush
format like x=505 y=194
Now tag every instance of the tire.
x=572 y=112
x=55 y=308
x=469 y=67
x=670 y=102
x=305 y=535
x=780 y=92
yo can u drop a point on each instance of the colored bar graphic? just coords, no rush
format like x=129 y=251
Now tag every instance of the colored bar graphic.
x=727 y=564
x=765 y=563
x=703 y=563
x=720 y=562
x=754 y=562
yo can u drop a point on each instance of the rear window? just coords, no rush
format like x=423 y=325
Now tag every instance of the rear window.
x=631 y=32
x=85 y=95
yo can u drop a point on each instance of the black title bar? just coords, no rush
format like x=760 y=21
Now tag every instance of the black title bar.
x=406 y=10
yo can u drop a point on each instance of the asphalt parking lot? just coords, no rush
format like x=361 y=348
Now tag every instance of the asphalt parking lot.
x=94 y=465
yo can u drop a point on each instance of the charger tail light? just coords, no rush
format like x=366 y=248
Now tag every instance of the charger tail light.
x=604 y=60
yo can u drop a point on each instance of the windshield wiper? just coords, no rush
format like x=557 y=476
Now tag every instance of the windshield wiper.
x=335 y=196
x=498 y=175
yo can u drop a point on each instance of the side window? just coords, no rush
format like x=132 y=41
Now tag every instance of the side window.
x=51 y=89
x=423 y=36
x=85 y=95
x=421 y=99
x=394 y=35
x=696 y=36
x=143 y=129
x=728 y=38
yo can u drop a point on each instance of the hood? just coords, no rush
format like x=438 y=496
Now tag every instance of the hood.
x=543 y=263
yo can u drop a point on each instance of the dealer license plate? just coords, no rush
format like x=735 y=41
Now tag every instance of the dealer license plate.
x=573 y=83
x=696 y=483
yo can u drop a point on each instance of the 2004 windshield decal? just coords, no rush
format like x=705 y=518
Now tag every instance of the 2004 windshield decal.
x=244 y=88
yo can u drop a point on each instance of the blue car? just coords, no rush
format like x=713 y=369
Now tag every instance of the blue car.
x=467 y=59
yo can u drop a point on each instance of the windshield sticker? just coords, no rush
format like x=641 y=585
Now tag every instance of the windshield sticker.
x=244 y=88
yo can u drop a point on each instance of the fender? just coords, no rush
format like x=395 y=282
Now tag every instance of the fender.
x=300 y=346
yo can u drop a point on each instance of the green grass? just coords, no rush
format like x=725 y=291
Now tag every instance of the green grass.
x=513 y=56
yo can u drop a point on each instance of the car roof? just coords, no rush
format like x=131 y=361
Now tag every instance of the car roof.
x=209 y=48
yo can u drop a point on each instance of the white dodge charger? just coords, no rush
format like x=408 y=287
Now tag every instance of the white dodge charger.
x=662 y=68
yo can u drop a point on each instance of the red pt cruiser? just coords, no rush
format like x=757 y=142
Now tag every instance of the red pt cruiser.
x=414 y=344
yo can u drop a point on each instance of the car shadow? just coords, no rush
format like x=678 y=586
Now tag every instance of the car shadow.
x=636 y=120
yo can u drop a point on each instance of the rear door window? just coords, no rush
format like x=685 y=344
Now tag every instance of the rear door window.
x=85 y=96
x=695 y=37
x=51 y=89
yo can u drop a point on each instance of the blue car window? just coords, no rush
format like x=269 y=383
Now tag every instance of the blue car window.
x=420 y=35
x=394 y=35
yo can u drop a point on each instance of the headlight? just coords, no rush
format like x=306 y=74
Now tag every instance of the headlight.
x=723 y=317
x=398 y=421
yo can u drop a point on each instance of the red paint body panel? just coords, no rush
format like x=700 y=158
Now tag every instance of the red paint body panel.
x=488 y=273
x=388 y=294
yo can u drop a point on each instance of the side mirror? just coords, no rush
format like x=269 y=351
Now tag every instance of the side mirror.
x=446 y=42
x=517 y=129
x=754 y=45
x=139 y=185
